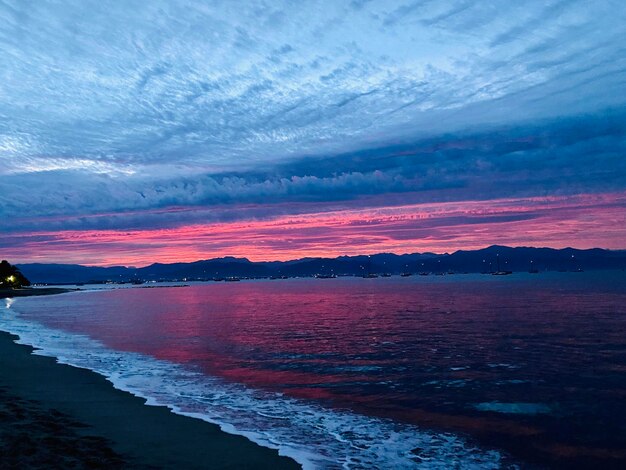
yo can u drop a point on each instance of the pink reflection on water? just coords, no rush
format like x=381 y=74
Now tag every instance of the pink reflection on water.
x=298 y=334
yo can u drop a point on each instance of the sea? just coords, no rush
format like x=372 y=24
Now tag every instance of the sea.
x=457 y=371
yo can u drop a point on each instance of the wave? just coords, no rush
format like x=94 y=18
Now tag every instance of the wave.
x=314 y=436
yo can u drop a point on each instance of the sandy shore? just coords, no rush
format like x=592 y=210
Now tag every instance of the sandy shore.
x=30 y=291
x=58 y=416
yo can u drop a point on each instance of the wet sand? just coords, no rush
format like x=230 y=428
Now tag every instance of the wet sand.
x=30 y=291
x=58 y=416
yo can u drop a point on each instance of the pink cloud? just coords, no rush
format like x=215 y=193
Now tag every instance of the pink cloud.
x=582 y=221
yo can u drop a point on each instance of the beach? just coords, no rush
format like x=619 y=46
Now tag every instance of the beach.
x=29 y=292
x=58 y=416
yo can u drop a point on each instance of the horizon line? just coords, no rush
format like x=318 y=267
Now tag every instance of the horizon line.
x=320 y=257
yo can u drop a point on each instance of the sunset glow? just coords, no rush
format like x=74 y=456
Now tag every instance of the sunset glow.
x=436 y=227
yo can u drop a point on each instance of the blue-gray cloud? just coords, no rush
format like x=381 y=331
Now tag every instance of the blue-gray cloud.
x=577 y=155
x=136 y=106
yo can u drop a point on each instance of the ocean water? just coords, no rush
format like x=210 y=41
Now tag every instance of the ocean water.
x=463 y=371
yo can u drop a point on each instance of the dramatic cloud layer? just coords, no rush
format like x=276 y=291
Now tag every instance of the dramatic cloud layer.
x=402 y=229
x=138 y=125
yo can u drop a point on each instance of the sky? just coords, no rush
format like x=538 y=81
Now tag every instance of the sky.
x=136 y=132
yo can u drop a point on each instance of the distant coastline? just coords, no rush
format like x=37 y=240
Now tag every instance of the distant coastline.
x=489 y=260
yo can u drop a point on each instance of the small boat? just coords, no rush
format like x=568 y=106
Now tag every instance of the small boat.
x=500 y=272
x=232 y=279
x=406 y=274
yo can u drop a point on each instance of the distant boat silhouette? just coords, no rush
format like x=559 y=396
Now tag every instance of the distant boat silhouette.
x=406 y=274
x=369 y=274
x=232 y=279
x=500 y=272
x=325 y=276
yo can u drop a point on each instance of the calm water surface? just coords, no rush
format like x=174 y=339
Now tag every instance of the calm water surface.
x=534 y=365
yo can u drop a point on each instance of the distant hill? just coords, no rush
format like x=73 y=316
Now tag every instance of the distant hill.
x=484 y=260
x=11 y=277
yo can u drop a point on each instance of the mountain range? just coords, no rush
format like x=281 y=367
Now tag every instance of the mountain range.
x=484 y=260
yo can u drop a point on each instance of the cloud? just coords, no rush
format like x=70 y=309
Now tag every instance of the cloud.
x=582 y=221
x=154 y=82
x=576 y=155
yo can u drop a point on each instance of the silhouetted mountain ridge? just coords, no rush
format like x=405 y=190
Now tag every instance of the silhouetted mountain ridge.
x=482 y=260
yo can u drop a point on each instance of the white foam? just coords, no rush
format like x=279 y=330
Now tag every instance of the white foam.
x=314 y=436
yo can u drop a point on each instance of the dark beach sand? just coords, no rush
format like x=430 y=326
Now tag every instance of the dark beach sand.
x=58 y=416
x=30 y=291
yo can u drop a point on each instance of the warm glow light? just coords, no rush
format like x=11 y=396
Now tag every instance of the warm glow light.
x=582 y=221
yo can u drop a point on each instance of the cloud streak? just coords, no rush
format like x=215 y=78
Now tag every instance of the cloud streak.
x=591 y=220
x=140 y=82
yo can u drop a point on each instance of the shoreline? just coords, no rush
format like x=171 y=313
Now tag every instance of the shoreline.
x=59 y=415
x=33 y=291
